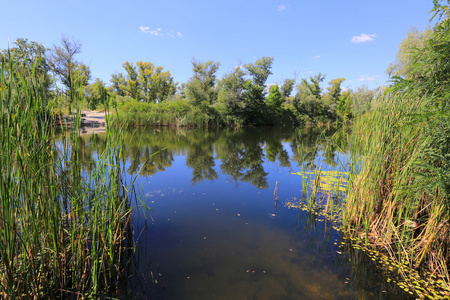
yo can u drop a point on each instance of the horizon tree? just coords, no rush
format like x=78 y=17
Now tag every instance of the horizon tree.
x=70 y=72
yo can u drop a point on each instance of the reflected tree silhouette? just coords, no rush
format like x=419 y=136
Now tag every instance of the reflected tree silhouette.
x=239 y=153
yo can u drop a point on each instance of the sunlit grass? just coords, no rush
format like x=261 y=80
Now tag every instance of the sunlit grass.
x=390 y=204
x=63 y=232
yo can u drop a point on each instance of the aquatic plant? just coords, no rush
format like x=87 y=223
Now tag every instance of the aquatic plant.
x=64 y=232
x=398 y=202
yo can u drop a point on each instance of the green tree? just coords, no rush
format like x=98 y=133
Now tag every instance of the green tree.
x=144 y=82
x=71 y=73
x=314 y=87
x=254 y=94
x=414 y=41
x=132 y=84
x=334 y=93
x=201 y=87
x=119 y=84
x=275 y=99
x=155 y=85
x=230 y=101
x=308 y=102
x=343 y=108
x=361 y=100
x=286 y=88
x=96 y=94
x=260 y=70
x=24 y=56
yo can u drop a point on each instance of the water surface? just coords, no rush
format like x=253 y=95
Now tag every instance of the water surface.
x=215 y=229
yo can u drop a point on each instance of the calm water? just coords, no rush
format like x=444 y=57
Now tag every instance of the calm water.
x=215 y=230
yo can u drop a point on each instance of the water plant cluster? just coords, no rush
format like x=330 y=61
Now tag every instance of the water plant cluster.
x=64 y=232
x=399 y=202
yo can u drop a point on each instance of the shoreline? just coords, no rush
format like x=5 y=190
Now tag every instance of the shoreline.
x=91 y=122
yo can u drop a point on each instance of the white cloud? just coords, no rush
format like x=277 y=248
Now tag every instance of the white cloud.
x=160 y=32
x=281 y=7
x=363 y=38
x=365 y=78
x=309 y=72
x=144 y=29
x=316 y=57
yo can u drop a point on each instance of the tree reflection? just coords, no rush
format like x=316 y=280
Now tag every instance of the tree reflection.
x=201 y=160
x=308 y=142
x=240 y=153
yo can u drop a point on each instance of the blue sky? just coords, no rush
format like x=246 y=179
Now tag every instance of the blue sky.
x=352 y=39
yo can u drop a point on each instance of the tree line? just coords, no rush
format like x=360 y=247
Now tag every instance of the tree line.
x=240 y=97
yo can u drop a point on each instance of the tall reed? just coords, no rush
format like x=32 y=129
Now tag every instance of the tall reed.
x=63 y=232
x=400 y=200
x=390 y=202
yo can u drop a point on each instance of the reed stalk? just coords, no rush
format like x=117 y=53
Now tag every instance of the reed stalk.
x=64 y=232
x=391 y=203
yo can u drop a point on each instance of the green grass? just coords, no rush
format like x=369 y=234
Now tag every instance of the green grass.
x=167 y=113
x=64 y=232
x=391 y=203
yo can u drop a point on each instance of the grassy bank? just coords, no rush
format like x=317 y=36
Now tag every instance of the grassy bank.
x=169 y=113
x=399 y=202
x=182 y=113
x=64 y=232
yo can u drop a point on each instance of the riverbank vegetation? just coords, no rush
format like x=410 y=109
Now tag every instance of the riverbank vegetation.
x=65 y=225
x=241 y=97
x=146 y=94
x=399 y=202
x=64 y=232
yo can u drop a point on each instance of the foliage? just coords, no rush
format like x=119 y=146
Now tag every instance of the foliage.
x=405 y=178
x=200 y=89
x=155 y=84
x=23 y=55
x=144 y=82
x=314 y=87
x=230 y=105
x=96 y=94
x=64 y=232
x=71 y=73
x=286 y=88
x=334 y=93
x=343 y=108
x=254 y=94
x=414 y=41
x=362 y=100
x=275 y=99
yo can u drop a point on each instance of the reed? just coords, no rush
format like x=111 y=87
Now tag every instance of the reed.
x=177 y=113
x=395 y=202
x=64 y=232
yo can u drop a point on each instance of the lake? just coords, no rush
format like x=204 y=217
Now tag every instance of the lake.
x=225 y=218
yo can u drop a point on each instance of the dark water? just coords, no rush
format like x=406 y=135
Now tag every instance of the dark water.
x=215 y=230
